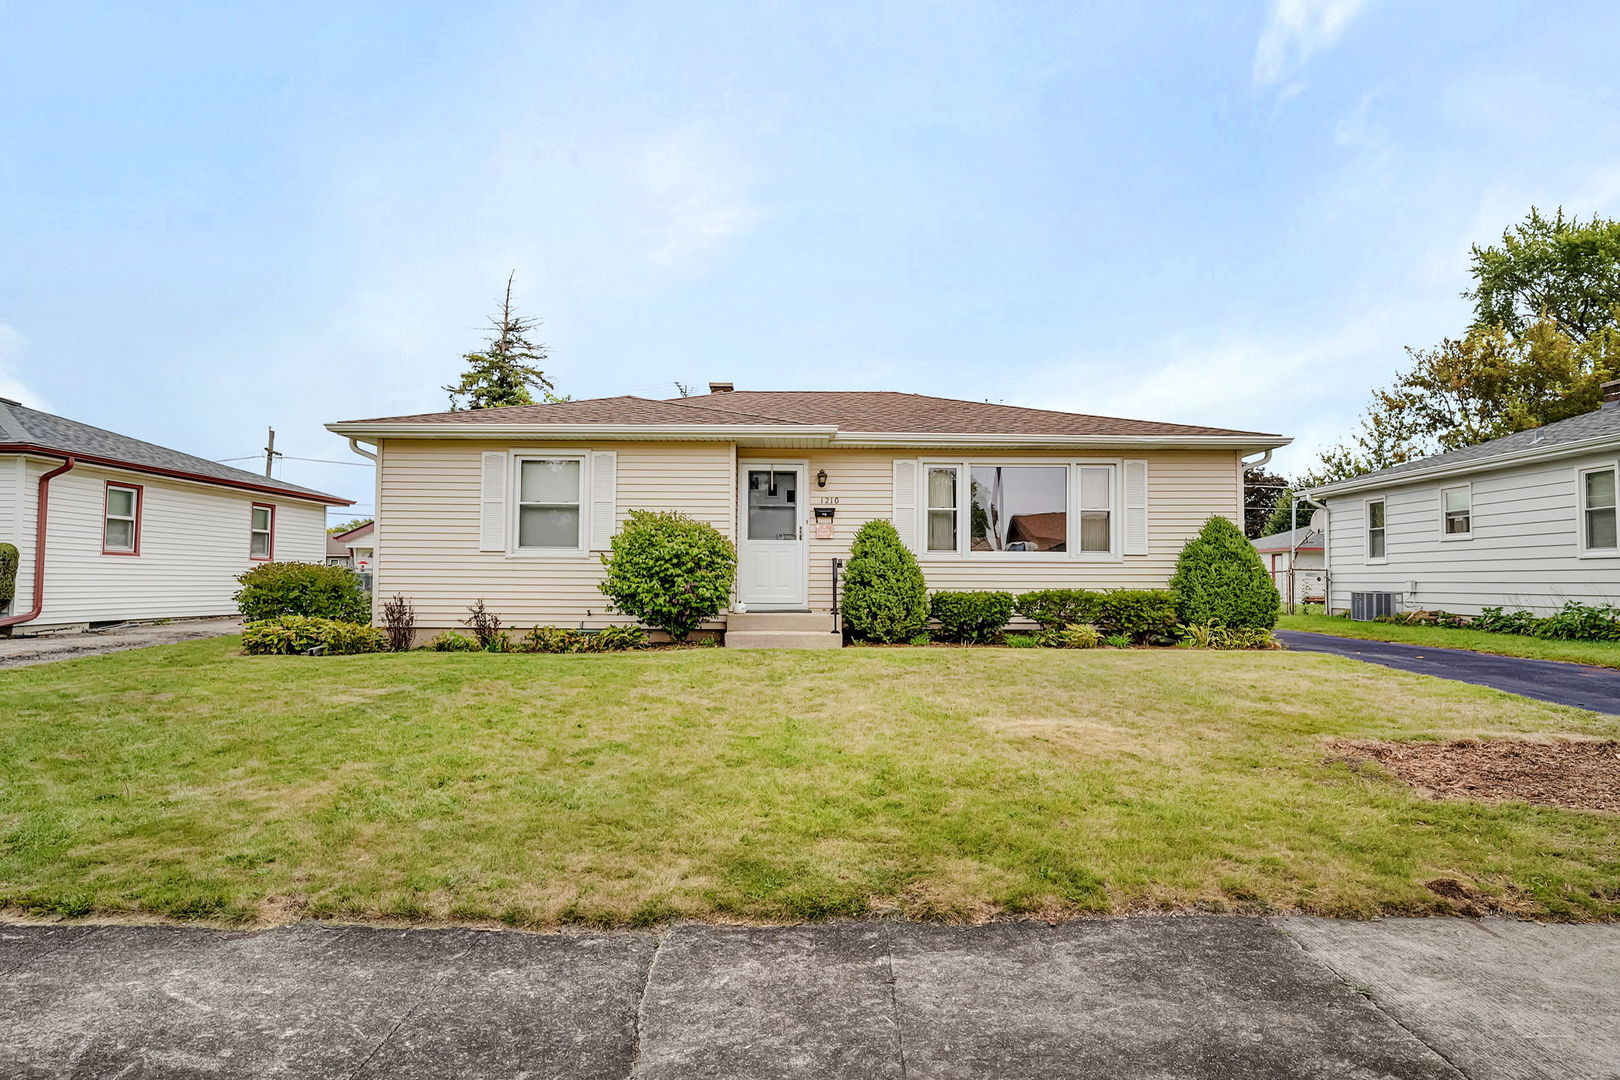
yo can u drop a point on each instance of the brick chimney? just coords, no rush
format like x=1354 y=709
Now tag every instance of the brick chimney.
x=726 y=388
x=1611 y=392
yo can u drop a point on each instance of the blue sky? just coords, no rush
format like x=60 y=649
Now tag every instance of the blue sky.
x=216 y=217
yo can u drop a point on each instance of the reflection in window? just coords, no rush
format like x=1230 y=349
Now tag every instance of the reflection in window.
x=773 y=504
x=1019 y=507
x=548 y=504
x=942 y=509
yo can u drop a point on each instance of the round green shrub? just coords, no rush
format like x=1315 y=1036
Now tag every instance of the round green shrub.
x=972 y=618
x=451 y=641
x=1220 y=581
x=8 y=573
x=670 y=571
x=885 y=597
x=1054 y=609
x=273 y=589
x=294 y=635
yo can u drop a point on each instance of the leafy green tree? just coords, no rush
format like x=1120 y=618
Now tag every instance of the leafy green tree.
x=885 y=597
x=1261 y=493
x=1220 y=580
x=670 y=571
x=345 y=526
x=1281 y=519
x=1559 y=268
x=507 y=370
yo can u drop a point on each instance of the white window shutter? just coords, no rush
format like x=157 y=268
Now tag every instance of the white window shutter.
x=604 y=498
x=1136 y=498
x=492 y=503
x=905 y=502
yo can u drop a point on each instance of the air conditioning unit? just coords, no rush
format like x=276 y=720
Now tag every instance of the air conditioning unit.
x=1367 y=606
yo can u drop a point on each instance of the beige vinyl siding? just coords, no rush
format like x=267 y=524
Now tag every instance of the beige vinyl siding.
x=1184 y=489
x=193 y=543
x=428 y=524
x=1524 y=551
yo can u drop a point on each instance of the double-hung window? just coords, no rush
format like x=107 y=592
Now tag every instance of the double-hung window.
x=1456 y=513
x=1598 y=491
x=121 y=520
x=987 y=508
x=262 y=532
x=1375 y=530
x=549 y=503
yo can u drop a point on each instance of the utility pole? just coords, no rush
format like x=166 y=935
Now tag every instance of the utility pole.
x=270 y=453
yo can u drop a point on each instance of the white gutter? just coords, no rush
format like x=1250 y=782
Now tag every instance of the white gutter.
x=1265 y=459
x=829 y=432
x=1465 y=468
x=354 y=444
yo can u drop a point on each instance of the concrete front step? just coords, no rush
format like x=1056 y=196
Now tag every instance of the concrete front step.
x=782 y=639
x=813 y=622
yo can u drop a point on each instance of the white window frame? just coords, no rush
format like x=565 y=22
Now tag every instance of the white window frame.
x=1444 y=535
x=269 y=531
x=515 y=514
x=929 y=509
x=1584 y=551
x=964 y=538
x=136 y=493
x=1367 y=530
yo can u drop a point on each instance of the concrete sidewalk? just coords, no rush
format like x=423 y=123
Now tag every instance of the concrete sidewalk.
x=1158 y=997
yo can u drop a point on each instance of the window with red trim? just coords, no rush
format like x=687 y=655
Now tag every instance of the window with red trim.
x=262 y=533
x=121 y=520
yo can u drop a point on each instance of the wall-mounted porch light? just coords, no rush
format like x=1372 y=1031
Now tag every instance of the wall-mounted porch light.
x=821 y=478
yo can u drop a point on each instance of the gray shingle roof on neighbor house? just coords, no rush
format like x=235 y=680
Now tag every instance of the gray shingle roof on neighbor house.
x=22 y=427
x=1309 y=539
x=1600 y=422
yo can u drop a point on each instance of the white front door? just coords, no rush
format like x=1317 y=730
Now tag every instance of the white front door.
x=771 y=557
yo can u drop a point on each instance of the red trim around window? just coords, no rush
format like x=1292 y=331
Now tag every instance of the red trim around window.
x=270 y=556
x=140 y=500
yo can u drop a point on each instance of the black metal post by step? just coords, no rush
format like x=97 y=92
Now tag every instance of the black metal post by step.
x=838 y=564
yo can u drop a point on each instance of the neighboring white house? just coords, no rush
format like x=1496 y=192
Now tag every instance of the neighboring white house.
x=353 y=548
x=513 y=506
x=1296 y=562
x=1525 y=521
x=135 y=531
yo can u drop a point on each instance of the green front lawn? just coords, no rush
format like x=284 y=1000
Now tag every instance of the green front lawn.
x=1601 y=653
x=620 y=789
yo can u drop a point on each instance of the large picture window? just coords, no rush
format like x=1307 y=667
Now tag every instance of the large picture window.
x=1598 y=491
x=549 y=503
x=987 y=508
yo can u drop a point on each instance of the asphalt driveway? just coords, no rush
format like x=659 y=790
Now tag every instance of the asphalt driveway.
x=1129 y=999
x=1586 y=687
x=23 y=651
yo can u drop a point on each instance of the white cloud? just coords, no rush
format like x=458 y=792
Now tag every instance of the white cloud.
x=694 y=188
x=1295 y=31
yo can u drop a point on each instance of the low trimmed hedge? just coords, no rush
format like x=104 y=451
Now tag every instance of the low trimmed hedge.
x=552 y=639
x=295 y=635
x=971 y=618
x=1053 y=609
x=1146 y=616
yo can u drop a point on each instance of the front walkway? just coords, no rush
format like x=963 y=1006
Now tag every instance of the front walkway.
x=1586 y=687
x=71 y=645
x=1205 y=996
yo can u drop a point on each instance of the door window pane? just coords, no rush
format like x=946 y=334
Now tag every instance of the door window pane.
x=1019 y=507
x=548 y=526
x=773 y=504
x=549 y=482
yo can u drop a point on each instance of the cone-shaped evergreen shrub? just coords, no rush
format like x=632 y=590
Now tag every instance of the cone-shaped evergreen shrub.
x=1220 y=580
x=885 y=598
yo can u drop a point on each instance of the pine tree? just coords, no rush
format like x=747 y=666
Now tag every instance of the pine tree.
x=506 y=371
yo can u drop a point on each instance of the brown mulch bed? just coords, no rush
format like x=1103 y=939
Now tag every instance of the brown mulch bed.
x=1582 y=774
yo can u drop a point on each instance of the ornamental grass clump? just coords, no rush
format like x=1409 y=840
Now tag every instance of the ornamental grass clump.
x=1220 y=581
x=885 y=598
x=669 y=571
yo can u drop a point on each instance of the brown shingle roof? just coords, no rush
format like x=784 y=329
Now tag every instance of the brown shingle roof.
x=609 y=410
x=850 y=410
